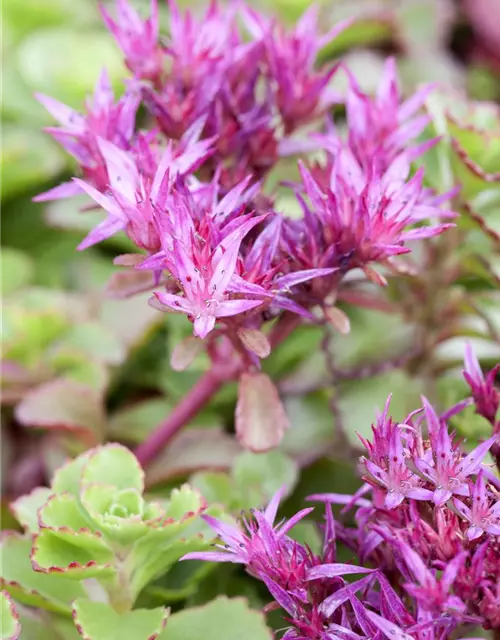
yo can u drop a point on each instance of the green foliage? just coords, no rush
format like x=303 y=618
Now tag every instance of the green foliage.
x=222 y=619
x=9 y=623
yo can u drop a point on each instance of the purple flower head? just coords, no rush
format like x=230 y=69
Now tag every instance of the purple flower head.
x=205 y=279
x=138 y=39
x=358 y=218
x=387 y=466
x=486 y=396
x=483 y=514
x=301 y=93
x=445 y=466
x=261 y=545
x=380 y=128
x=135 y=198
x=199 y=52
x=433 y=595
x=79 y=133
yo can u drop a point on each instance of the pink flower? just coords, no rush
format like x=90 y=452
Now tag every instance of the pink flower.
x=448 y=469
x=380 y=128
x=79 y=133
x=135 y=199
x=486 y=396
x=205 y=279
x=359 y=217
x=300 y=92
x=138 y=39
x=483 y=514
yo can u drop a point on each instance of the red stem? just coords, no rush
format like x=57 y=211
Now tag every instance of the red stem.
x=198 y=396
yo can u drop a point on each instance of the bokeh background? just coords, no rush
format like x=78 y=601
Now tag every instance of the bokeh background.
x=57 y=320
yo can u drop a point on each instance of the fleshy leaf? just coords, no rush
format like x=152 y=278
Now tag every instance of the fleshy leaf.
x=258 y=476
x=63 y=404
x=194 y=450
x=26 y=507
x=63 y=510
x=222 y=619
x=185 y=352
x=67 y=478
x=96 y=341
x=54 y=593
x=98 y=621
x=78 y=555
x=255 y=341
x=10 y=626
x=261 y=420
x=338 y=320
x=115 y=465
x=16 y=270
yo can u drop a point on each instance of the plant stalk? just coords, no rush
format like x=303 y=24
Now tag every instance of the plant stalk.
x=196 y=398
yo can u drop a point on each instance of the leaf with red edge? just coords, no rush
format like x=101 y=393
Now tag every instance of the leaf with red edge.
x=185 y=352
x=99 y=621
x=73 y=554
x=65 y=405
x=40 y=590
x=255 y=341
x=261 y=420
x=10 y=627
x=25 y=508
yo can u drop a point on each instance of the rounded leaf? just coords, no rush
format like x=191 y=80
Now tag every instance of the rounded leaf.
x=114 y=465
x=261 y=420
x=99 y=621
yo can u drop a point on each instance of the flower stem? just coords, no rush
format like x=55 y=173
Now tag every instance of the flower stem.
x=202 y=392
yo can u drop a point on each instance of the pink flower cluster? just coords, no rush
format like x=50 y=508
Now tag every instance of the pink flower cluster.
x=221 y=105
x=427 y=540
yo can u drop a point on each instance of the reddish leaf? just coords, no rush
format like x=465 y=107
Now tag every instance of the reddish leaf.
x=185 y=352
x=63 y=404
x=261 y=420
x=255 y=341
x=338 y=319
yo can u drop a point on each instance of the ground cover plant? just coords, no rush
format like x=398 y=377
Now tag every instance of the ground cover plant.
x=250 y=335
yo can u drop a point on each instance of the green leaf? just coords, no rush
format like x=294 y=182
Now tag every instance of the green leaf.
x=362 y=33
x=360 y=399
x=16 y=270
x=37 y=625
x=133 y=423
x=63 y=404
x=28 y=158
x=78 y=555
x=258 y=476
x=216 y=488
x=26 y=507
x=67 y=478
x=54 y=593
x=115 y=465
x=95 y=341
x=194 y=449
x=98 y=621
x=71 y=76
x=9 y=623
x=222 y=619
x=312 y=428
x=63 y=510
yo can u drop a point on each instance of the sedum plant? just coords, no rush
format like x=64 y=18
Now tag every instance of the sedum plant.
x=288 y=226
